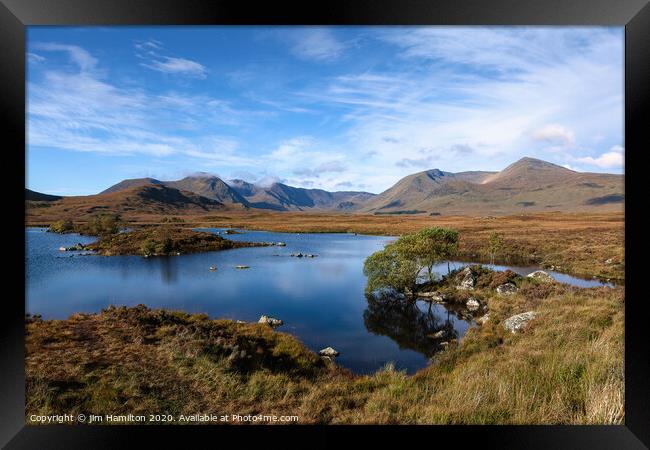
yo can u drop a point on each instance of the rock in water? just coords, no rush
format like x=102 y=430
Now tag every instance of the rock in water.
x=242 y=267
x=270 y=321
x=518 y=321
x=433 y=296
x=507 y=289
x=329 y=352
x=472 y=304
x=542 y=276
x=468 y=280
x=438 y=335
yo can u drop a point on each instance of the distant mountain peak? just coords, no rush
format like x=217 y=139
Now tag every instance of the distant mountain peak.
x=528 y=161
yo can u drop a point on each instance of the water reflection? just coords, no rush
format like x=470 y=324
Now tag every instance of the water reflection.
x=417 y=326
x=168 y=269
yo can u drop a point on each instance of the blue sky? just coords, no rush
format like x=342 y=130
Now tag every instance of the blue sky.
x=338 y=108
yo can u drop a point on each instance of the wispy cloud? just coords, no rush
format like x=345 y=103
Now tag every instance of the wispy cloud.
x=316 y=44
x=80 y=111
x=153 y=54
x=482 y=89
x=78 y=55
x=34 y=58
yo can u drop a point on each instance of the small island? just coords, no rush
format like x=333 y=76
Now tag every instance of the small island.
x=151 y=240
x=164 y=241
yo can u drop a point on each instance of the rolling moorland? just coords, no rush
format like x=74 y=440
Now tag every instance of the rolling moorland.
x=565 y=367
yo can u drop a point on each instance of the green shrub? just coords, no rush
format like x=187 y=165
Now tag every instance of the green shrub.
x=61 y=226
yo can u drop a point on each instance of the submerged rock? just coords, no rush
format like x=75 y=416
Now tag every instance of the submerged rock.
x=270 y=321
x=242 y=267
x=507 y=289
x=468 y=280
x=542 y=276
x=433 y=296
x=518 y=321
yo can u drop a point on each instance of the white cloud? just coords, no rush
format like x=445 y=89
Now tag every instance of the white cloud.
x=318 y=44
x=78 y=55
x=34 y=58
x=614 y=158
x=554 y=134
x=178 y=66
x=152 y=53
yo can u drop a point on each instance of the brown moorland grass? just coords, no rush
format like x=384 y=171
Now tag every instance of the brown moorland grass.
x=581 y=244
x=566 y=367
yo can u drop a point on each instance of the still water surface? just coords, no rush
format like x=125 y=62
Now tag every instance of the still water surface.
x=321 y=300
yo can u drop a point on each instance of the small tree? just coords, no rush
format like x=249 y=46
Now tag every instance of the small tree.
x=429 y=247
x=495 y=244
x=388 y=268
x=61 y=226
x=148 y=247
x=401 y=262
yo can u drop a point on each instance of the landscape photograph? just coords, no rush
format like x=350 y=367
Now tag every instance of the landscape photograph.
x=312 y=225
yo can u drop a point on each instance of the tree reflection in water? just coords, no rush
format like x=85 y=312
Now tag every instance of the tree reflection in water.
x=405 y=323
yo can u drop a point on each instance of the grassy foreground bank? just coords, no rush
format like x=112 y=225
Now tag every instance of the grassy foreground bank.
x=565 y=367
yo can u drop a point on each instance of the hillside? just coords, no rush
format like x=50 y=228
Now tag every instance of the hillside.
x=147 y=199
x=281 y=197
x=529 y=185
x=130 y=183
x=39 y=197
x=210 y=187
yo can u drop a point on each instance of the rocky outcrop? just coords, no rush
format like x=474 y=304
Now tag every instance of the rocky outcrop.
x=541 y=276
x=328 y=353
x=473 y=304
x=270 y=321
x=518 y=321
x=467 y=279
x=438 y=335
x=506 y=289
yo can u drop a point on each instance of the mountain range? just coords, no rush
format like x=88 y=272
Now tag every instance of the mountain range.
x=239 y=193
x=526 y=185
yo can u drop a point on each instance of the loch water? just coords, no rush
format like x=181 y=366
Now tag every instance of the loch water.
x=321 y=300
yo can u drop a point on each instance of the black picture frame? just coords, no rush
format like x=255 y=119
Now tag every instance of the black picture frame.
x=15 y=15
